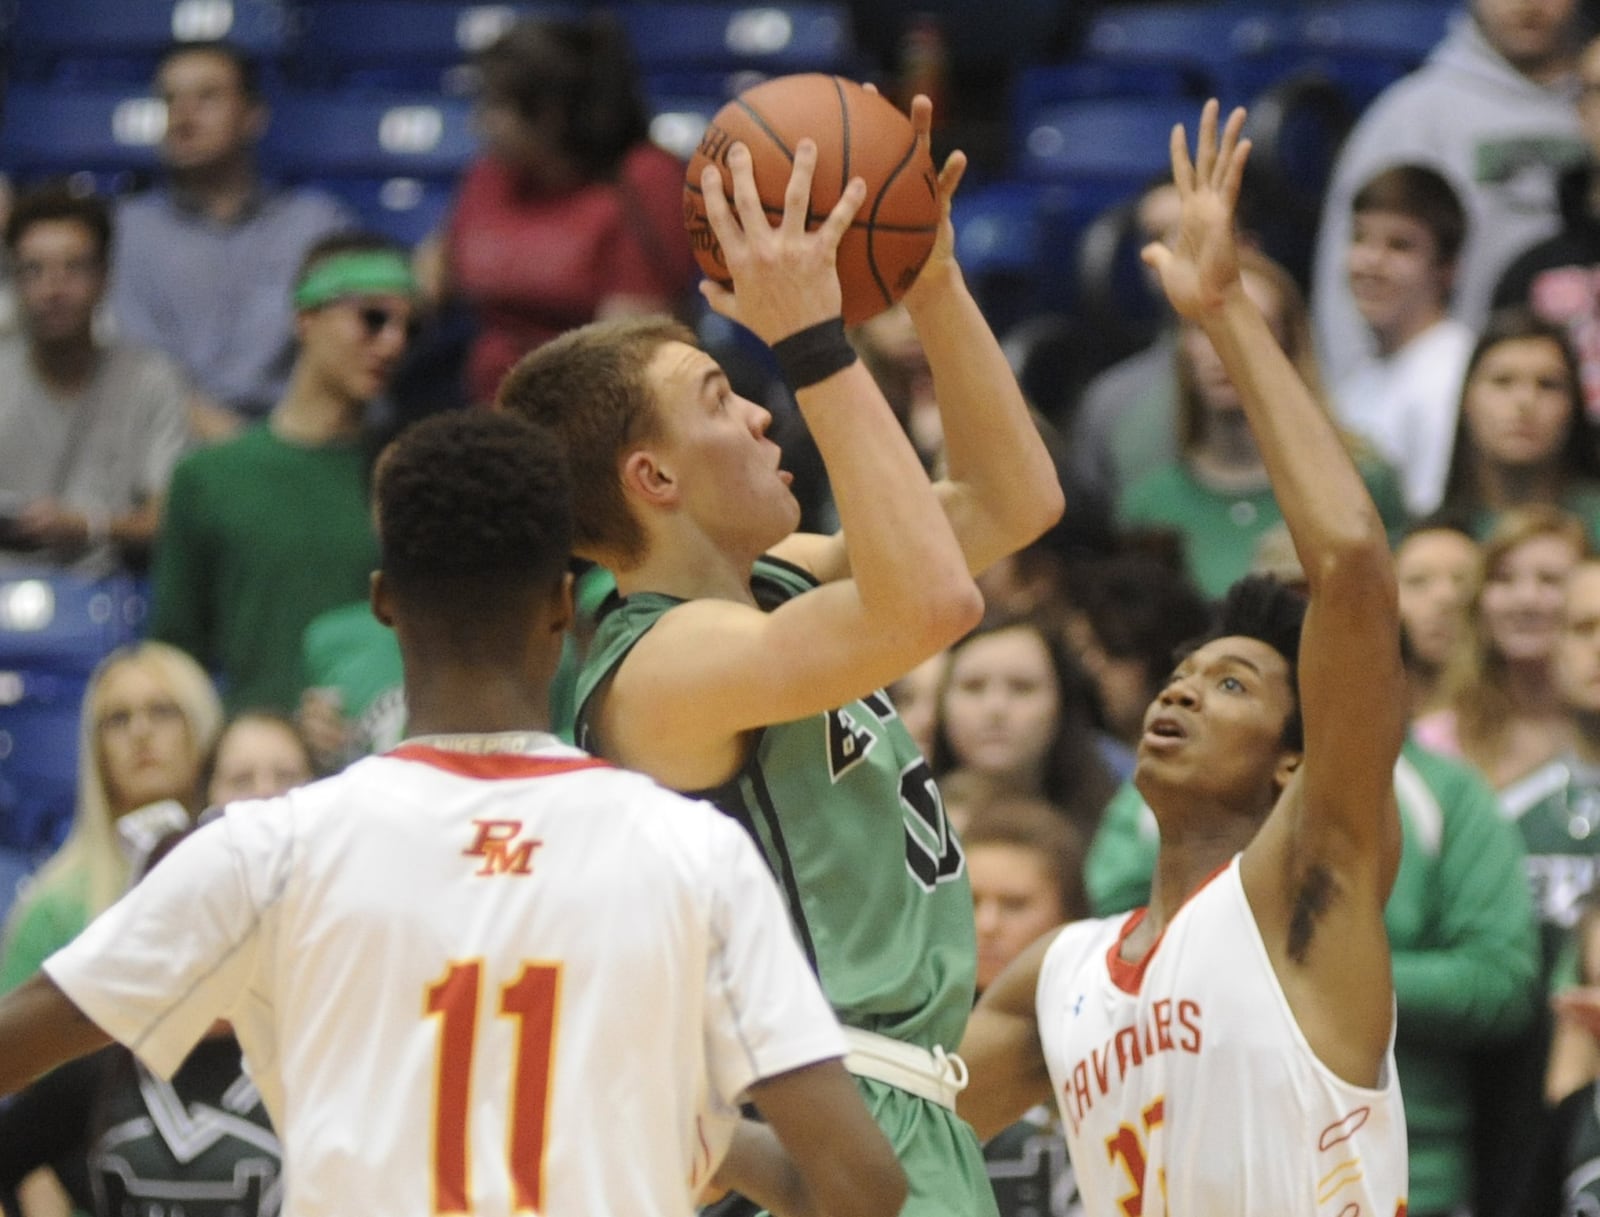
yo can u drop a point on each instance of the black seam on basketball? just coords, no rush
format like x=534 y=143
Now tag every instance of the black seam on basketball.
x=755 y=117
x=844 y=135
x=872 y=220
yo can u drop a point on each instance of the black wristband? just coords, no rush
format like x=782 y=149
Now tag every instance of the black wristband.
x=814 y=353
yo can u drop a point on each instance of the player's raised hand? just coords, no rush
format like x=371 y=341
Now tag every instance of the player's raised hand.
x=942 y=258
x=1201 y=268
x=784 y=277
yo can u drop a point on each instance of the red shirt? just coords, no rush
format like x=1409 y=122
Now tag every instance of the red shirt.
x=537 y=264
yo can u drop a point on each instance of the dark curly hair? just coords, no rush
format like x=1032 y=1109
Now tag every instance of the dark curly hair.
x=1260 y=607
x=474 y=512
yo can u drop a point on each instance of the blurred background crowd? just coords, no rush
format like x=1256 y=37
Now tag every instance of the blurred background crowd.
x=246 y=241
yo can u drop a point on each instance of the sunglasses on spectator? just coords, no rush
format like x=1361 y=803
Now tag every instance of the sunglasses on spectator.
x=375 y=318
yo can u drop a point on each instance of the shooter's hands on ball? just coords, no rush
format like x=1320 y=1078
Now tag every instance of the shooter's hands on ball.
x=941 y=266
x=784 y=277
x=1200 y=270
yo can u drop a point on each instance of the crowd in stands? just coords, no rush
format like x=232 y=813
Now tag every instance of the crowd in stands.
x=199 y=376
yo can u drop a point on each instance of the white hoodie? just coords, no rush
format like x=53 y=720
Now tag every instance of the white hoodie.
x=1501 y=139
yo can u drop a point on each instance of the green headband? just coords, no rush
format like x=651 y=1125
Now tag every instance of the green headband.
x=366 y=272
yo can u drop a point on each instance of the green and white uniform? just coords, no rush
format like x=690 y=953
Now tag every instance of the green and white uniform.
x=847 y=815
x=1557 y=810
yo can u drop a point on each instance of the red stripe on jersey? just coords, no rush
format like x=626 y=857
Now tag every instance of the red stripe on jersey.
x=1129 y=976
x=491 y=766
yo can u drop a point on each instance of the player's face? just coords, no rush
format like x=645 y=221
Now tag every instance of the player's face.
x=1529 y=33
x=256 y=759
x=1524 y=597
x=354 y=344
x=60 y=279
x=209 y=117
x=1398 y=283
x=146 y=750
x=1434 y=569
x=1014 y=900
x=1002 y=705
x=715 y=445
x=1578 y=649
x=1518 y=403
x=1216 y=727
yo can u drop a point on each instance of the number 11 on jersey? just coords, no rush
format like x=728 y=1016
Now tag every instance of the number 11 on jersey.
x=529 y=1001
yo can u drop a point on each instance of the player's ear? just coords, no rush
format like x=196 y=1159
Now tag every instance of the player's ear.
x=562 y=612
x=378 y=598
x=1288 y=762
x=644 y=476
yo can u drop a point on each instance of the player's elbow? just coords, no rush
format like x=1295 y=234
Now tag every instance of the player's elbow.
x=949 y=611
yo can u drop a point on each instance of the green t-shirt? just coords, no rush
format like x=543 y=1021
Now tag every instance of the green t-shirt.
x=353 y=654
x=845 y=810
x=258 y=538
x=44 y=919
x=1222 y=530
x=1581 y=498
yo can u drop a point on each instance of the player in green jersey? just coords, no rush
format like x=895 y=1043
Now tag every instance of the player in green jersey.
x=746 y=661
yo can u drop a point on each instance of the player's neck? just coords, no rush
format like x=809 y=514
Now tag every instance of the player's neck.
x=1188 y=860
x=690 y=567
x=469 y=701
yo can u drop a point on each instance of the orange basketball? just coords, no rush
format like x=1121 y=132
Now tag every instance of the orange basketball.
x=858 y=134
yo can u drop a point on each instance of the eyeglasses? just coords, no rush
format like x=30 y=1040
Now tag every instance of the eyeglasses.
x=375 y=318
x=120 y=720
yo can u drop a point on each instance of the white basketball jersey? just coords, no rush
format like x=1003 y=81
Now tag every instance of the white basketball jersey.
x=485 y=984
x=1187 y=1088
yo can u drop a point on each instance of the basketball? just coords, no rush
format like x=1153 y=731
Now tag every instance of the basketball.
x=858 y=134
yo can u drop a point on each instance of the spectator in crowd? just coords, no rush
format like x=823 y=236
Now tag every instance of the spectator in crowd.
x=105 y=1125
x=265 y=532
x=1492 y=110
x=1216 y=495
x=1565 y=1175
x=568 y=170
x=149 y=717
x=89 y=430
x=1500 y=709
x=1406 y=231
x=1557 y=278
x=354 y=701
x=1435 y=565
x=1026 y=864
x=259 y=754
x=206 y=261
x=1015 y=712
x=1129 y=614
x=1522 y=438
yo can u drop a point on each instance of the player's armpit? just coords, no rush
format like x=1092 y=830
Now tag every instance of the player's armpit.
x=1005 y=1060
x=40 y=1028
x=821 y=1153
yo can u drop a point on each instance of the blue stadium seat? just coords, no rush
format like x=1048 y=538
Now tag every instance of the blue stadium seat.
x=775 y=38
x=50 y=130
x=39 y=715
x=402 y=43
x=1106 y=150
x=64 y=623
x=678 y=119
x=15 y=866
x=370 y=135
x=1229 y=50
x=89 y=37
x=1364 y=45
x=1014 y=240
x=405 y=209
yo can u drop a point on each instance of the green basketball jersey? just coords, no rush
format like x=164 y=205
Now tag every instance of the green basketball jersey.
x=846 y=812
x=1557 y=809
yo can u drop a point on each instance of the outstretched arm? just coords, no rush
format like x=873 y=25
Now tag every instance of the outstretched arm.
x=1352 y=691
x=40 y=1028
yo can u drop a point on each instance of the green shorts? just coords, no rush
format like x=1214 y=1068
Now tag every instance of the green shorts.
x=940 y=1152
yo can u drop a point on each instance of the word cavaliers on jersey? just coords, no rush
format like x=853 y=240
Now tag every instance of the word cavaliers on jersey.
x=471 y=981
x=1187 y=1088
